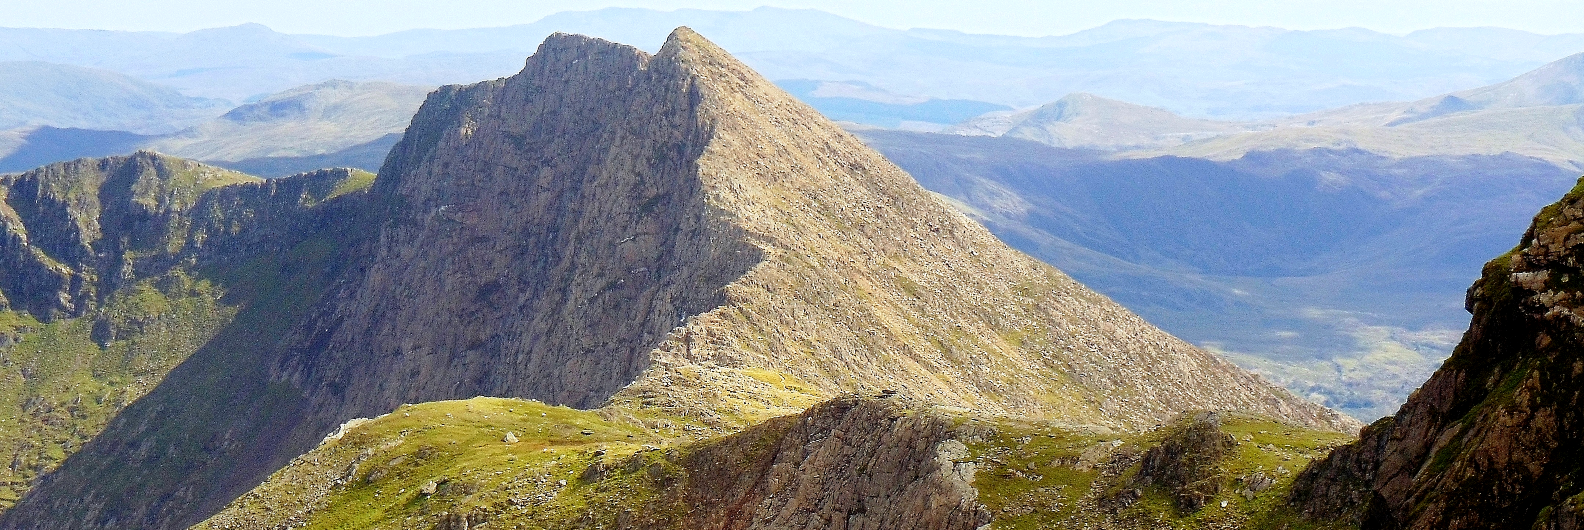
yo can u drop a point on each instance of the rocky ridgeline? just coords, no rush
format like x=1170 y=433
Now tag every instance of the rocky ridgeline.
x=1491 y=440
x=668 y=237
x=72 y=232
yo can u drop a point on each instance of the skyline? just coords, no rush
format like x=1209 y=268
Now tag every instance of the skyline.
x=1003 y=17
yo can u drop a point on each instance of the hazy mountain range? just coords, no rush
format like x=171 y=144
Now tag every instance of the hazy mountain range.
x=698 y=303
x=1302 y=297
x=1200 y=70
x=330 y=124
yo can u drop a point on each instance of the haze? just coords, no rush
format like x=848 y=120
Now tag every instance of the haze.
x=1005 y=17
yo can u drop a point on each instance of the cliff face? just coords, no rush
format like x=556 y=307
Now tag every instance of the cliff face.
x=669 y=236
x=1491 y=440
x=71 y=232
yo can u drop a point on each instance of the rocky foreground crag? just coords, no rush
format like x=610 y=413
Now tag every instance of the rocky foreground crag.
x=669 y=238
x=1492 y=439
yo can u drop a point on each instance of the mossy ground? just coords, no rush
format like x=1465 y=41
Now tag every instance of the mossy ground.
x=422 y=464
x=433 y=464
x=59 y=386
x=1035 y=476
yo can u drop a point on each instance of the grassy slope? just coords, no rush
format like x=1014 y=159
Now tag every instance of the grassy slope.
x=58 y=388
x=437 y=463
x=61 y=383
x=1035 y=476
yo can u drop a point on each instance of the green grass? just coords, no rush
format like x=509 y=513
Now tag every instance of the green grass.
x=59 y=388
x=1030 y=477
x=413 y=466
x=359 y=180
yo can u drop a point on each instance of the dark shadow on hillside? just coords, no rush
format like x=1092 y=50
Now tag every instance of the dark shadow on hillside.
x=47 y=145
x=368 y=157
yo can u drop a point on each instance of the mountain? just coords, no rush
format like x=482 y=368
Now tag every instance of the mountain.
x=1539 y=114
x=1198 y=70
x=304 y=121
x=1338 y=273
x=1087 y=121
x=34 y=94
x=331 y=124
x=670 y=239
x=1491 y=440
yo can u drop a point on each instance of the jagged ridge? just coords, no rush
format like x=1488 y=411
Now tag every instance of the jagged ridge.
x=671 y=235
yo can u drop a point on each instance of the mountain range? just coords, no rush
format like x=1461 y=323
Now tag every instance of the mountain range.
x=36 y=94
x=1299 y=297
x=330 y=124
x=695 y=302
x=1534 y=114
x=1204 y=71
x=670 y=240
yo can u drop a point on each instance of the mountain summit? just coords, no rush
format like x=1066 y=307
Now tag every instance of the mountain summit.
x=664 y=236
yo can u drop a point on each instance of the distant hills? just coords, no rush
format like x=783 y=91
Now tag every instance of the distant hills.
x=1198 y=70
x=1537 y=114
x=331 y=124
x=36 y=93
x=1093 y=122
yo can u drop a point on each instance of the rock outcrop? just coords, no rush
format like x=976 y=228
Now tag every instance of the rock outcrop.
x=663 y=236
x=71 y=233
x=1491 y=440
x=1186 y=463
x=847 y=463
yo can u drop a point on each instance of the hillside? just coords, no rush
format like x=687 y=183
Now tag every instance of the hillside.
x=1538 y=114
x=305 y=121
x=670 y=239
x=1087 y=121
x=1491 y=440
x=34 y=94
x=869 y=461
x=330 y=124
x=99 y=302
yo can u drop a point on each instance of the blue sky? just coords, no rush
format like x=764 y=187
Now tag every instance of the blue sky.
x=1013 y=17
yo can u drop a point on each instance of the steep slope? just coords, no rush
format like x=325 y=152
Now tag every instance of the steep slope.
x=103 y=293
x=1087 y=121
x=1491 y=440
x=670 y=236
x=34 y=94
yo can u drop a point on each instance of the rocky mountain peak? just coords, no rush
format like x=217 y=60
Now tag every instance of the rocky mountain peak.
x=666 y=237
